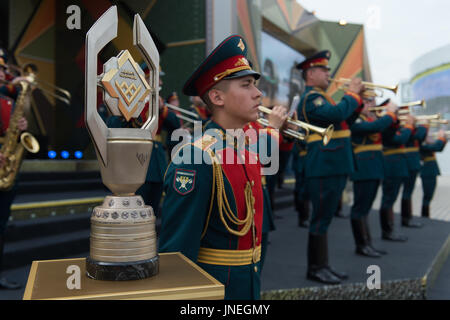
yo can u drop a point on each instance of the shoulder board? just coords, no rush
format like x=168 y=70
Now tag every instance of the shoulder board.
x=205 y=142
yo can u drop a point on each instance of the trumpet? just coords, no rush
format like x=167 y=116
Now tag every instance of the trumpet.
x=31 y=78
x=289 y=132
x=436 y=134
x=403 y=109
x=423 y=118
x=187 y=114
x=439 y=121
x=325 y=133
x=420 y=103
x=368 y=85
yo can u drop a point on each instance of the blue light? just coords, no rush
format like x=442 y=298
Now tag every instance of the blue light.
x=65 y=154
x=78 y=154
x=52 y=154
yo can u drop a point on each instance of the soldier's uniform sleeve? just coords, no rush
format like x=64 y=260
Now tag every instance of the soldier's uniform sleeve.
x=170 y=124
x=115 y=122
x=402 y=135
x=318 y=108
x=420 y=133
x=437 y=146
x=365 y=127
x=186 y=205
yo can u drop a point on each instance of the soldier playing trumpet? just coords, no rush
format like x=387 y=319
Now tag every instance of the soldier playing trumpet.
x=396 y=170
x=368 y=150
x=326 y=167
x=430 y=169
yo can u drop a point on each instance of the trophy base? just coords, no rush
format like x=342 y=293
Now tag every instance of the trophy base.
x=122 y=271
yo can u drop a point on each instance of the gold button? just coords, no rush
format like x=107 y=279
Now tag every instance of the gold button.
x=156 y=146
x=256 y=269
x=253 y=183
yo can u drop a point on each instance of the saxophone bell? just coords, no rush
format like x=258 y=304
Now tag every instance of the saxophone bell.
x=29 y=142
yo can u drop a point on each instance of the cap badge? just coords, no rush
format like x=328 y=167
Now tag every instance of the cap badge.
x=241 y=45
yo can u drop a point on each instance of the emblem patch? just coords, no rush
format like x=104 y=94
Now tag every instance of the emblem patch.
x=184 y=181
x=318 y=102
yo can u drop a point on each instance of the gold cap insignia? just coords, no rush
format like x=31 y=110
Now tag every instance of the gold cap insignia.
x=241 y=45
x=241 y=62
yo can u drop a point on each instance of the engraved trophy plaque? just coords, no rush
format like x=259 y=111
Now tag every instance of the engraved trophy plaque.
x=123 y=236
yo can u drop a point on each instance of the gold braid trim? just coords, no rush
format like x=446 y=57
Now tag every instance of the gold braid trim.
x=304 y=103
x=223 y=205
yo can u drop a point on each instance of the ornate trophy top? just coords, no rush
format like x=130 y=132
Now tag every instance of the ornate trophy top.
x=123 y=153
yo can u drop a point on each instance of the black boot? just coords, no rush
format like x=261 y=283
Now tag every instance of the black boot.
x=369 y=237
x=361 y=239
x=407 y=217
x=425 y=211
x=387 y=226
x=5 y=283
x=318 y=260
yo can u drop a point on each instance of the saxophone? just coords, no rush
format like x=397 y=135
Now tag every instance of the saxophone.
x=14 y=146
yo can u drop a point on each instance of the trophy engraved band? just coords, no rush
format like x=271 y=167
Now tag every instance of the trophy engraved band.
x=123 y=236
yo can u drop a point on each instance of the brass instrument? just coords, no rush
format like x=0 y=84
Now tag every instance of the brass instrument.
x=42 y=85
x=437 y=122
x=420 y=103
x=12 y=150
x=287 y=131
x=368 y=85
x=431 y=117
x=186 y=112
x=326 y=133
x=403 y=109
x=436 y=116
x=436 y=134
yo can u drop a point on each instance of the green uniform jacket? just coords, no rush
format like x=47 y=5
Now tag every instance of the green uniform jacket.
x=336 y=158
x=167 y=122
x=367 y=147
x=394 y=139
x=412 y=148
x=298 y=156
x=430 y=166
x=191 y=219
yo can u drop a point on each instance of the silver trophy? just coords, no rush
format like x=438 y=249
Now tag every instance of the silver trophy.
x=123 y=236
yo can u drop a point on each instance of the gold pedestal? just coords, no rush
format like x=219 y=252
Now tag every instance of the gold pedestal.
x=178 y=278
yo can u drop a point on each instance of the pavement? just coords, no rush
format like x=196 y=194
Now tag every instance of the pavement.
x=286 y=264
